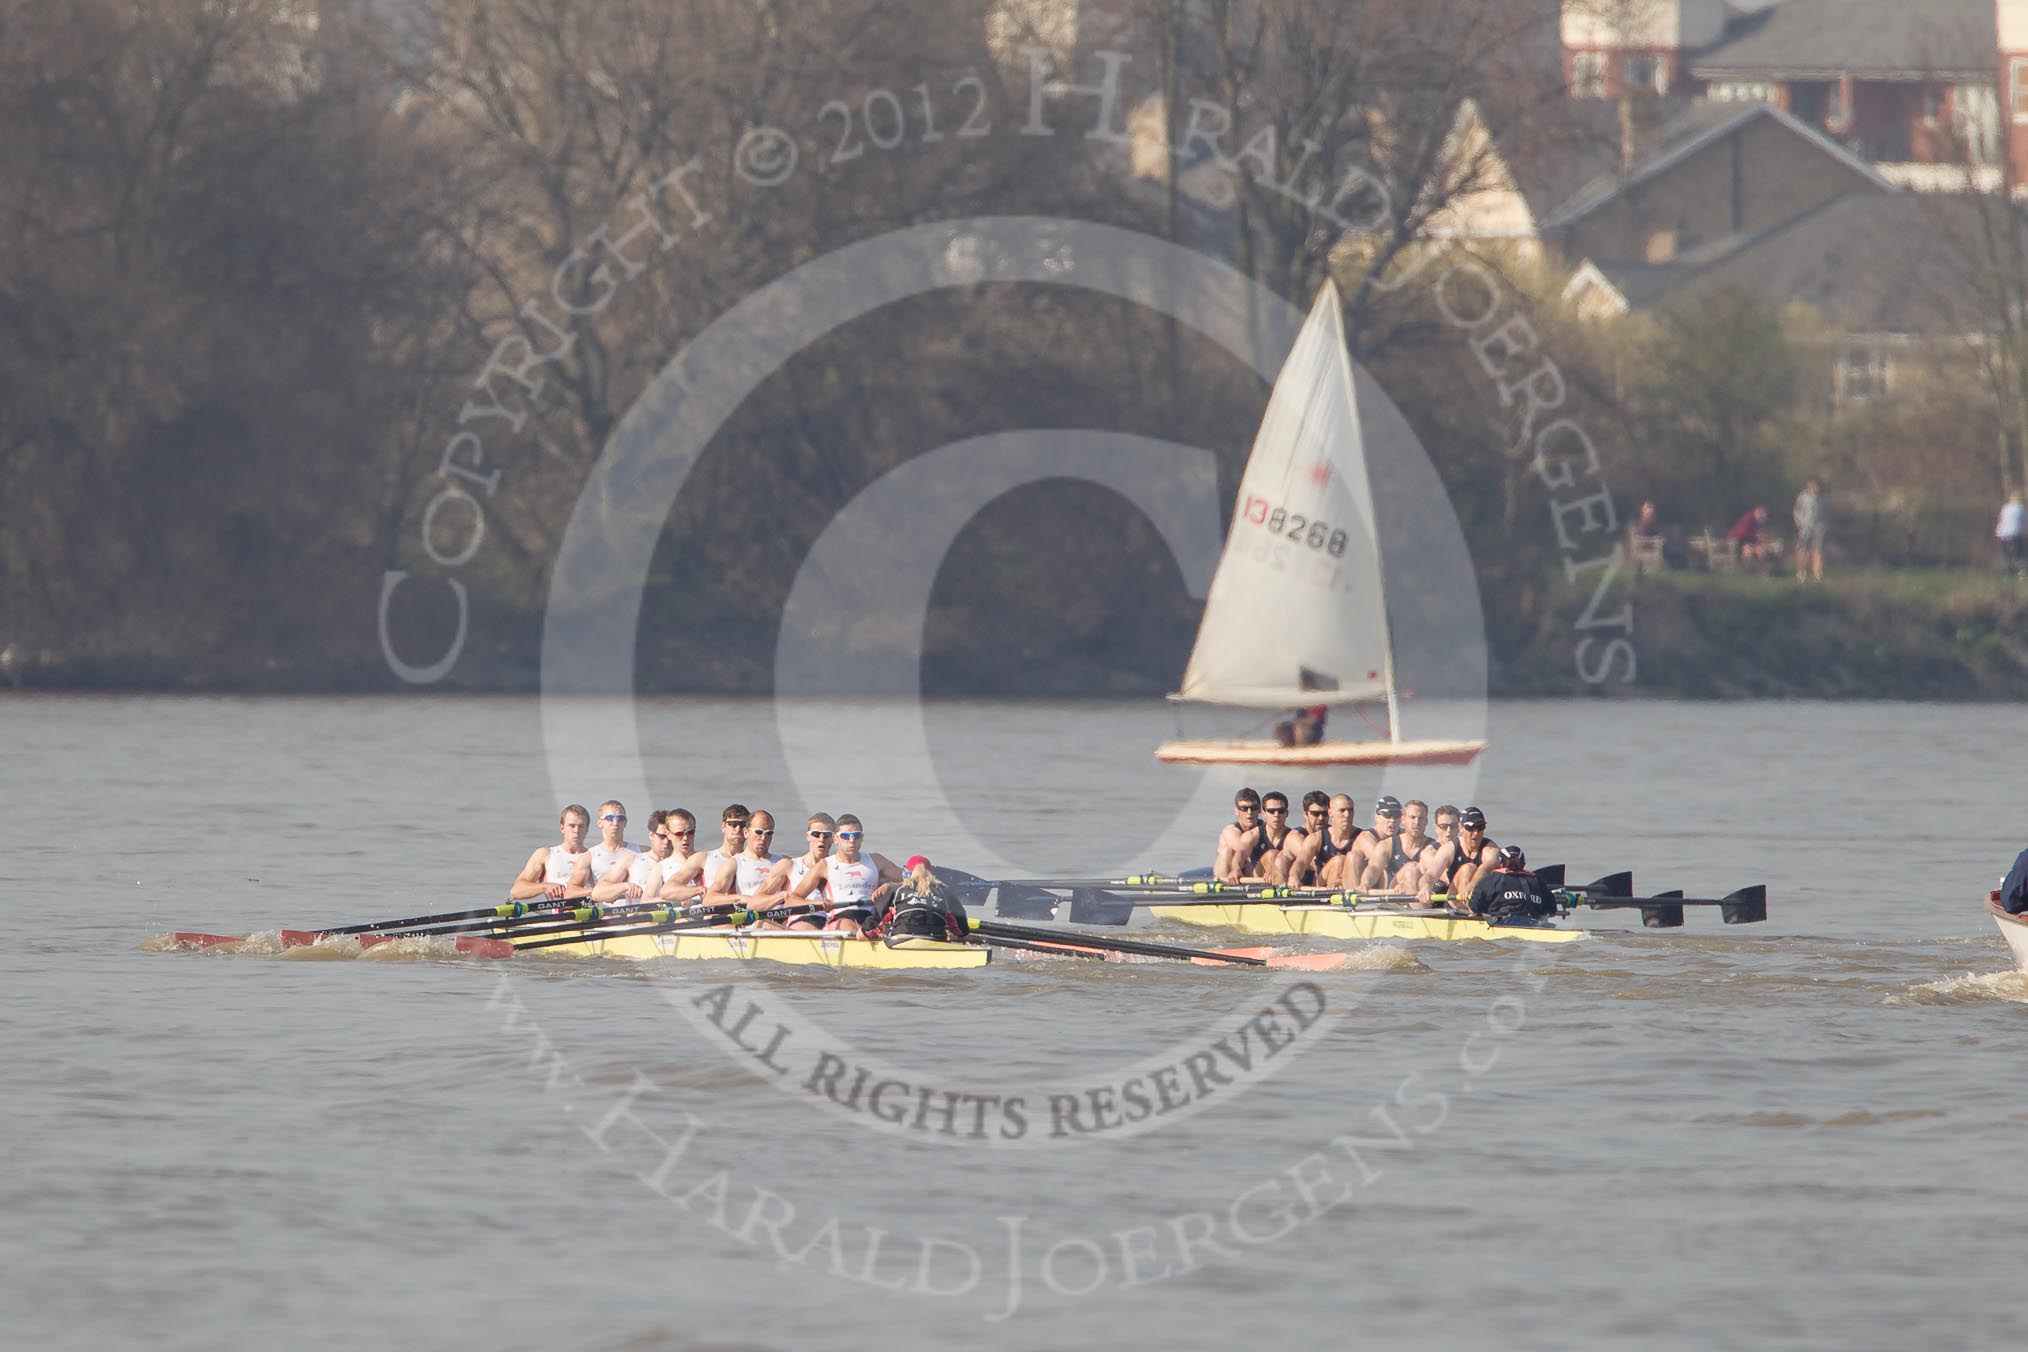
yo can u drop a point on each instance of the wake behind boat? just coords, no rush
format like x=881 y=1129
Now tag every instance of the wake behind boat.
x=1297 y=614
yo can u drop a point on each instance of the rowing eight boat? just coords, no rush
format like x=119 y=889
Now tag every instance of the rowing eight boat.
x=813 y=948
x=1341 y=922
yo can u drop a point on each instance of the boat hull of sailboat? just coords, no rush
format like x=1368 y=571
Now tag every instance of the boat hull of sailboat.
x=1323 y=753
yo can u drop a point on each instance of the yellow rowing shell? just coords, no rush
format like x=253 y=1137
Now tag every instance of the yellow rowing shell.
x=806 y=948
x=1340 y=922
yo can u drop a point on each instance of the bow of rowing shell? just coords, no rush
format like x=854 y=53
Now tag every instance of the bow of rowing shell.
x=2013 y=928
x=1338 y=922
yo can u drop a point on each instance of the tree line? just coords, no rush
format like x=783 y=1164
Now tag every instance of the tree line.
x=259 y=258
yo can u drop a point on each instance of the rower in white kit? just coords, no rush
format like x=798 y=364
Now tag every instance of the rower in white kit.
x=853 y=880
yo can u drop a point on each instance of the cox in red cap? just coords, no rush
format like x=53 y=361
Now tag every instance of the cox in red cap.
x=915 y=859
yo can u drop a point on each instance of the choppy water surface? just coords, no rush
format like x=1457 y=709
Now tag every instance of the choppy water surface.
x=1794 y=1134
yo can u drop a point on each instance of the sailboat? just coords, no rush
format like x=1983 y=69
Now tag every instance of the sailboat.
x=1297 y=613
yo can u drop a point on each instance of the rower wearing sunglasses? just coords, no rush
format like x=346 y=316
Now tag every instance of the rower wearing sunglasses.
x=642 y=876
x=612 y=851
x=1240 y=840
x=712 y=870
x=853 y=881
x=754 y=869
x=1455 y=871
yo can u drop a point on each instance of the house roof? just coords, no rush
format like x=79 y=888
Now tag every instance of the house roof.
x=1883 y=39
x=1871 y=262
x=1683 y=135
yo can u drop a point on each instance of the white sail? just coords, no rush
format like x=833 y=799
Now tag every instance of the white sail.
x=1296 y=614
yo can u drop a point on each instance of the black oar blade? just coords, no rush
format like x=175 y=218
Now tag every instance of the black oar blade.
x=1747 y=906
x=1089 y=906
x=1614 y=885
x=1551 y=876
x=1009 y=899
x=1658 y=917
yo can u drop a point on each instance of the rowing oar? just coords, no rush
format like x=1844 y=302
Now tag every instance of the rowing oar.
x=511 y=910
x=528 y=922
x=1664 y=910
x=1075 y=939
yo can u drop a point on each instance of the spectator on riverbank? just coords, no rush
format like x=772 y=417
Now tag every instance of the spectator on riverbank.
x=1648 y=524
x=1809 y=519
x=1749 y=533
x=2013 y=516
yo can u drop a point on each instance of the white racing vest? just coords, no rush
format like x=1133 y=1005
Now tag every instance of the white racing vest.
x=749 y=873
x=559 y=866
x=852 y=884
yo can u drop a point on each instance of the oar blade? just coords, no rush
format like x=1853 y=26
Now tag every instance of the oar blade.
x=300 y=938
x=1551 y=876
x=1089 y=906
x=1747 y=906
x=1310 y=962
x=1662 y=917
x=1613 y=885
x=481 y=947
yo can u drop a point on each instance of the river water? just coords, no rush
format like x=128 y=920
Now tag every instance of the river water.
x=1796 y=1134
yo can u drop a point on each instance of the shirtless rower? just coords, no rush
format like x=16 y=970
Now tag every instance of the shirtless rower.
x=1373 y=857
x=1470 y=857
x=1322 y=857
x=853 y=881
x=551 y=868
x=640 y=876
x=1239 y=840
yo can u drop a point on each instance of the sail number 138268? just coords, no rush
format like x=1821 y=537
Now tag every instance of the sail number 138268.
x=1294 y=526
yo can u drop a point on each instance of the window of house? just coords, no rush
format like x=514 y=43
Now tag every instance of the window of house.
x=1836 y=111
x=1587 y=75
x=1864 y=373
x=1647 y=74
x=1742 y=91
x=1932 y=106
x=2017 y=88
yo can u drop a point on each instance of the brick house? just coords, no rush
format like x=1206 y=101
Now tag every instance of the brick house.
x=1909 y=85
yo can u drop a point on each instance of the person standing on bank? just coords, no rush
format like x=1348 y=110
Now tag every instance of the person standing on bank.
x=2013 y=517
x=1809 y=519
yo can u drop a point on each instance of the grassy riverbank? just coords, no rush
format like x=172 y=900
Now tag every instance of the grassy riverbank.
x=1901 y=634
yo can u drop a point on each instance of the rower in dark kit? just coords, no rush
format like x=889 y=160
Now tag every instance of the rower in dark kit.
x=920 y=906
x=1373 y=864
x=1510 y=892
x=1324 y=858
x=1455 y=870
x=1271 y=860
